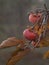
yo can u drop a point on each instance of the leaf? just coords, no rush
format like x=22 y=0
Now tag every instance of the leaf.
x=12 y=41
x=44 y=43
x=46 y=55
x=17 y=56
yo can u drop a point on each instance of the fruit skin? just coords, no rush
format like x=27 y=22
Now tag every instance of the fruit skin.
x=34 y=17
x=29 y=35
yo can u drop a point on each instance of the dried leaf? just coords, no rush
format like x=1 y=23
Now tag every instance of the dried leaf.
x=17 y=56
x=12 y=41
x=44 y=43
x=46 y=55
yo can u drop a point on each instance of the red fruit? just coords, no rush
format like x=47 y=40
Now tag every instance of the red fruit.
x=34 y=17
x=29 y=35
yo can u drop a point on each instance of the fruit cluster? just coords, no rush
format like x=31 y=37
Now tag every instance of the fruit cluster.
x=33 y=18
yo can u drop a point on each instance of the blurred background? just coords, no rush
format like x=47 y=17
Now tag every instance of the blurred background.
x=13 y=20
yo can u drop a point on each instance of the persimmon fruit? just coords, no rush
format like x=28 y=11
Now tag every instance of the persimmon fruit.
x=29 y=34
x=33 y=17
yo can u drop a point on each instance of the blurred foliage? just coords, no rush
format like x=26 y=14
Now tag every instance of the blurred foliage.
x=46 y=55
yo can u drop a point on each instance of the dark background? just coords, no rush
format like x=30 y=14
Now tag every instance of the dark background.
x=13 y=20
